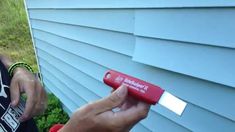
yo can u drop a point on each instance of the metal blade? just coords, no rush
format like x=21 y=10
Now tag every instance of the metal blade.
x=172 y=103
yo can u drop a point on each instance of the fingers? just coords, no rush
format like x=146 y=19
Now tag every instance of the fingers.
x=133 y=114
x=129 y=102
x=36 y=102
x=14 y=92
x=30 y=102
x=100 y=117
x=41 y=104
x=112 y=101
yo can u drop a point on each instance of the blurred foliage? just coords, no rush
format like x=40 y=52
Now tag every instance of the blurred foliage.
x=54 y=114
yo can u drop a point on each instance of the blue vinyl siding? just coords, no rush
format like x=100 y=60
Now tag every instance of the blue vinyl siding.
x=188 y=58
x=184 y=46
x=208 y=26
x=119 y=20
x=123 y=43
x=97 y=4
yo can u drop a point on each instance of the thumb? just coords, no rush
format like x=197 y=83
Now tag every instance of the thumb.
x=112 y=101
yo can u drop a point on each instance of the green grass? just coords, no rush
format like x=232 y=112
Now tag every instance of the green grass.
x=15 y=39
x=53 y=115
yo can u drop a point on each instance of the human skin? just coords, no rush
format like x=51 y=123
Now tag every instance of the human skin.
x=99 y=117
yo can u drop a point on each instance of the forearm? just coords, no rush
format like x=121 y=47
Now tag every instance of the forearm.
x=6 y=61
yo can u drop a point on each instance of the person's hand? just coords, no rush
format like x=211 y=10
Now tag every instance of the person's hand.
x=99 y=117
x=24 y=81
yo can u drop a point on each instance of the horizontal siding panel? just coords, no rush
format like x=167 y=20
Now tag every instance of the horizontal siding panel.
x=164 y=113
x=117 y=20
x=79 y=63
x=206 y=62
x=200 y=120
x=127 y=3
x=56 y=90
x=60 y=96
x=118 y=42
x=212 y=26
x=81 y=79
x=83 y=93
x=139 y=128
x=65 y=108
x=75 y=100
x=180 y=85
x=158 y=123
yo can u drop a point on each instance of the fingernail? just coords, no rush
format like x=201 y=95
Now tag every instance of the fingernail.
x=121 y=92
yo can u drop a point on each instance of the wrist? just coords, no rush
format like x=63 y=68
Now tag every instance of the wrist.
x=19 y=66
x=18 y=70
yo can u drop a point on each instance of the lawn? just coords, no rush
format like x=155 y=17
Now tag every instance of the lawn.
x=15 y=40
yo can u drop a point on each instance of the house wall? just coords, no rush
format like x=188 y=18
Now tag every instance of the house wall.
x=184 y=46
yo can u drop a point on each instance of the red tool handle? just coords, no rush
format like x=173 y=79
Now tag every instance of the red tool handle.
x=137 y=88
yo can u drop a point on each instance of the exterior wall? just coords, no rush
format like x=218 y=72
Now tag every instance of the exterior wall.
x=184 y=46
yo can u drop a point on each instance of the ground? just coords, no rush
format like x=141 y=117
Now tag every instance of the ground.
x=15 y=39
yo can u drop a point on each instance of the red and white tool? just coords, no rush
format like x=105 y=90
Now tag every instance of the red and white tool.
x=145 y=91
